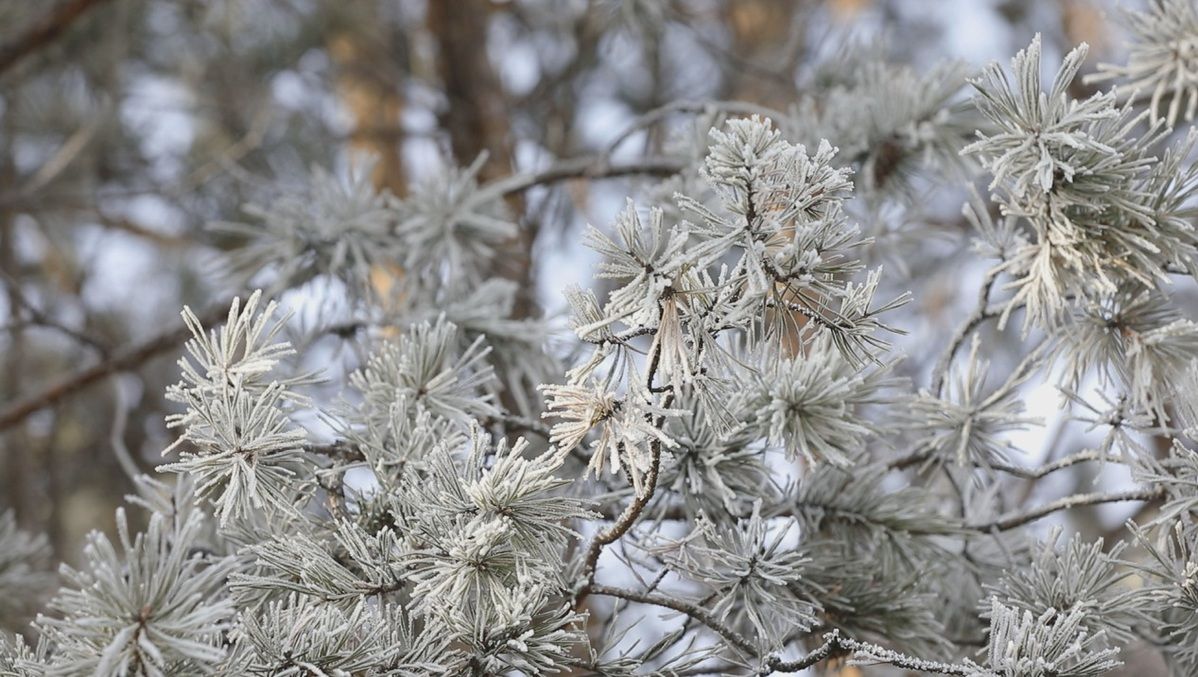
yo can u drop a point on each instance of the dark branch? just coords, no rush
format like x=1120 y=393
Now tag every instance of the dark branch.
x=698 y=613
x=1077 y=500
x=129 y=358
x=980 y=314
x=44 y=31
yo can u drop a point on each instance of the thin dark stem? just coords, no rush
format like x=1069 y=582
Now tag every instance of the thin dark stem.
x=1012 y=521
x=698 y=613
x=633 y=512
x=980 y=314
x=37 y=318
x=586 y=168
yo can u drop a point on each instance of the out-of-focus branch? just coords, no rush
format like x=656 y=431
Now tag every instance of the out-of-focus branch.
x=588 y=168
x=39 y=319
x=129 y=358
x=980 y=314
x=44 y=31
x=696 y=107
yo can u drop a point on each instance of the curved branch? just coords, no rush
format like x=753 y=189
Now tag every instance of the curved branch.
x=1060 y=464
x=634 y=509
x=698 y=613
x=1012 y=521
x=980 y=314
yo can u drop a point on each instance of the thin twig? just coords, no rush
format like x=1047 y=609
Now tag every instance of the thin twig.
x=516 y=423
x=37 y=318
x=586 y=168
x=1060 y=464
x=700 y=614
x=980 y=314
x=658 y=114
x=630 y=514
x=1012 y=521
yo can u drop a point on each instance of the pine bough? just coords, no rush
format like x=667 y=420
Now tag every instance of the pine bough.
x=489 y=505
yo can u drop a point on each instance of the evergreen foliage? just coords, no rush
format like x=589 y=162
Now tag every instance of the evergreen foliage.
x=728 y=440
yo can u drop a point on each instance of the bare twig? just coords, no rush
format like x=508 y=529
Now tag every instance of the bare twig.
x=515 y=423
x=660 y=113
x=587 y=168
x=590 y=168
x=980 y=314
x=700 y=614
x=40 y=319
x=630 y=514
x=1060 y=464
x=1012 y=521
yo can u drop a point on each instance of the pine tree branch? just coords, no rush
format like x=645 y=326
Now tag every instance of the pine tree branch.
x=835 y=643
x=134 y=356
x=634 y=509
x=587 y=168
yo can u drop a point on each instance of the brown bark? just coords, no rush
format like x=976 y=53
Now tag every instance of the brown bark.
x=476 y=117
x=477 y=121
x=373 y=101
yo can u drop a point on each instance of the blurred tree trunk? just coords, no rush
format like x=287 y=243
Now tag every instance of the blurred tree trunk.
x=362 y=54
x=476 y=118
x=374 y=102
x=477 y=121
x=766 y=38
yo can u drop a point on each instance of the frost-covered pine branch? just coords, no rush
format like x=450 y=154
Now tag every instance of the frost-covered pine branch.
x=731 y=461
